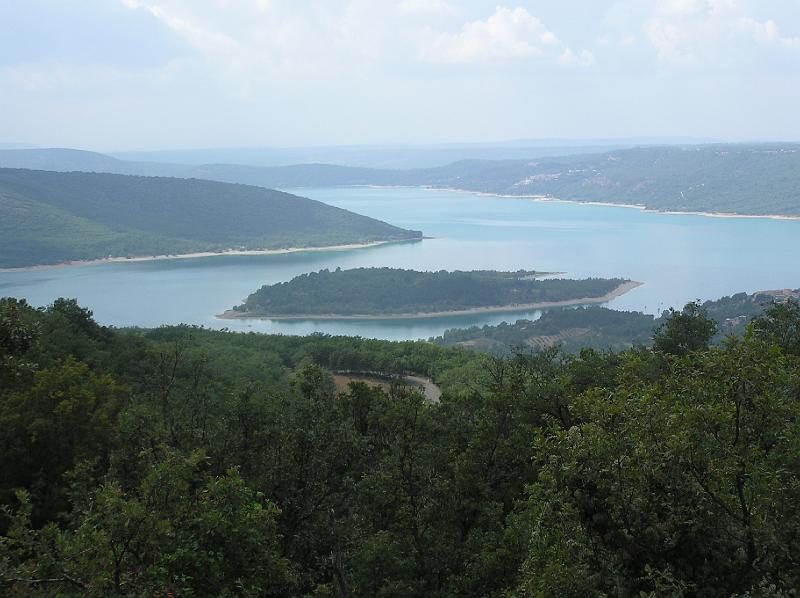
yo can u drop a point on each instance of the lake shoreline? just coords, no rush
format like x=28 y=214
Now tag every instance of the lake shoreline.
x=202 y=254
x=606 y=204
x=619 y=291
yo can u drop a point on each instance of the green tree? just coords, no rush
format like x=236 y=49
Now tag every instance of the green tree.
x=684 y=331
x=687 y=482
x=182 y=532
x=18 y=333
x=780 y=324
x=65 y=416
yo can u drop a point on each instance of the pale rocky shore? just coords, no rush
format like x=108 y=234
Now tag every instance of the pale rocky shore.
x=620 y=290
x=201 y=254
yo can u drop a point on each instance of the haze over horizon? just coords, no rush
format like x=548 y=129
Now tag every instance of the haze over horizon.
x=115 y=75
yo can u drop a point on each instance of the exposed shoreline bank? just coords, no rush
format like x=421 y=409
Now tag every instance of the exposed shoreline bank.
x=619 y=291
x=607 y=204
x=200 y=254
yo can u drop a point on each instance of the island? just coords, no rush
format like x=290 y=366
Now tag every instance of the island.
x=392 y=293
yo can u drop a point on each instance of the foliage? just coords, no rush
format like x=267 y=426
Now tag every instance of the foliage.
x=182 y=461
x=51 y=217
x=730 y=178
x=781 y=325
x=683 y=332
x=377 y=291
x=601 y=328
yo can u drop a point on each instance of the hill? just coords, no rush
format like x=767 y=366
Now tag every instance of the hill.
x=750 y=179
x=603 y=329
x=386 y=292
x=51 y=217
x=743 y=179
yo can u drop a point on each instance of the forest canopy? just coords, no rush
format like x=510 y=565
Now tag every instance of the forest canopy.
x=54 y=217
x=391 y=291
x=573 y=329
x=183 y=461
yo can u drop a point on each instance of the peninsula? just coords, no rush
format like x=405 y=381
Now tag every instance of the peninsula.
x=58 y=218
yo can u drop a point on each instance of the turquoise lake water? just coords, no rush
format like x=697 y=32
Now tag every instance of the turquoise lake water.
x=679 y=258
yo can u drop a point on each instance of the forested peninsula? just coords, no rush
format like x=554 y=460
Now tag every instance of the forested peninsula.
x=393 y=292
x=57 y=217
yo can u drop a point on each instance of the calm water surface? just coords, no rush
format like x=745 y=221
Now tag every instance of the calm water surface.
x=679 y=258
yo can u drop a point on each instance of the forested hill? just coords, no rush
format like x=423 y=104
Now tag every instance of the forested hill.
x=607 y=329
x=742 y=179
x=51 y=217
x=390 y=291
x=734 y=178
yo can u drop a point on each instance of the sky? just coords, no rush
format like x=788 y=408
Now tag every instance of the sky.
x=156 y=74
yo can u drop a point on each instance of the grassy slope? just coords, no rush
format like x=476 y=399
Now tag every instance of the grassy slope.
x=50 y=217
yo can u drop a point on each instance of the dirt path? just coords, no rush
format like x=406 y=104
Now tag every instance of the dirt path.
x=429 y=389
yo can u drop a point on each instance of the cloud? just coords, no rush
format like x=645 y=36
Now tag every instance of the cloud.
x=201 y=38
x=583 y=58
x=698 y=31
x=508 y=34
x=767 y=32
x=425 y=7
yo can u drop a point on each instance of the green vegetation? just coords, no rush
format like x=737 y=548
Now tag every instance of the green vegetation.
x=742 y=179
x=570 y=329
x=388 y=291
x=182 y=461
x=49 y=217
x=601 y=328
x=733 y=178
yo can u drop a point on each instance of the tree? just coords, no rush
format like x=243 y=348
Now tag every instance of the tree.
x=684 y=331
x=688 y=482
x=63 y=417
x=181 y=532
x=780 y=324
x=18 y=333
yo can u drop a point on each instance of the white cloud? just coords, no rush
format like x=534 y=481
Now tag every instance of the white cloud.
x=697 y=31
x=201 y=38
x=425 y=7
x=506 y=34
x=583 y=58
x=767 y=32
x=248 y=40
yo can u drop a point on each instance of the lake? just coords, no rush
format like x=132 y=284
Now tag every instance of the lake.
x=679 y=258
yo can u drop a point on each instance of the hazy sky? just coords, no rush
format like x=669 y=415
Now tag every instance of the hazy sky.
x=147 y=74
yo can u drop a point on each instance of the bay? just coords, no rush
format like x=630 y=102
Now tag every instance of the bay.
x=679 y=258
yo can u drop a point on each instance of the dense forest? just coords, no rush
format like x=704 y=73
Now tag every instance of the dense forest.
x=600 y=328
x=50 y=217
x=181 y=461
x=389 y=291
x=734 y=178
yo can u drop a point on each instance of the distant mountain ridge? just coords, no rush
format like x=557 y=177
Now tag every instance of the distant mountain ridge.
x=748 y=179
x=50 y=217
x=396 y=156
